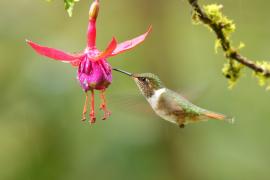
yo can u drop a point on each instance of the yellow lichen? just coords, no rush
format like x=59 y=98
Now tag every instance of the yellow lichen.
x=217 y=45
x=213 y=11
x=232 y=71
x=262 y=79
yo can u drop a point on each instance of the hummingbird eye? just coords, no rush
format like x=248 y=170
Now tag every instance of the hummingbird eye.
x=143 y=79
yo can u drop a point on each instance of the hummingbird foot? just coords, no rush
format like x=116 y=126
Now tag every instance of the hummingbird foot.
x=92 y=111
x=182 y=126
x=85 y=108
x=103 y=106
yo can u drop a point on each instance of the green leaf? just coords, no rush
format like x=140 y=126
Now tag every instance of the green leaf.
x=69 y=5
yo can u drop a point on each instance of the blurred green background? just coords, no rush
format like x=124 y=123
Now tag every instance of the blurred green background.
x=41 y=135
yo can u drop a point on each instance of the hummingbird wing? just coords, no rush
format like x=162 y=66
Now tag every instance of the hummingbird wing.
x=179 y=102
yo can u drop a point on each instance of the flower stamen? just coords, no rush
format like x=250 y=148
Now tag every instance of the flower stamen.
x=85 y=107
x=103 y=105
x=92 y=108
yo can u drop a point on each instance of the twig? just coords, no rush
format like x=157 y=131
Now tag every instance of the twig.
x=225 y=43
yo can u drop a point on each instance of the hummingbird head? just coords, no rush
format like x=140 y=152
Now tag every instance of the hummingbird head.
x=148 y=83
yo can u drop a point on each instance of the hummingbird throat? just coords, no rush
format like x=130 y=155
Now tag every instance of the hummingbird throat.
x=145 y=89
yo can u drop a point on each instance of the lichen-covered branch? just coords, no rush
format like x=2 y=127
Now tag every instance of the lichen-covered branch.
x=212 y=17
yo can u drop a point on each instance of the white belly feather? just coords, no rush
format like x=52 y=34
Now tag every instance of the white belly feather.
x=153 y=101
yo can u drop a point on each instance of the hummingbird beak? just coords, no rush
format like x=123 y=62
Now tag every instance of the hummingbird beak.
x=124 y=72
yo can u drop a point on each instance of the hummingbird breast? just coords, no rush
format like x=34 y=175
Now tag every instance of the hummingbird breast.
x=165 y=107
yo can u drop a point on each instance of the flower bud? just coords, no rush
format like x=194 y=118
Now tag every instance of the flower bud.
x=93 y=12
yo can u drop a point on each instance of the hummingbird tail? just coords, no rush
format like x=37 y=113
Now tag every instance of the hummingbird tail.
x=217 y=116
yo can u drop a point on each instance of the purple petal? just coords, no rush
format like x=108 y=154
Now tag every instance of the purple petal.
x=94 y=74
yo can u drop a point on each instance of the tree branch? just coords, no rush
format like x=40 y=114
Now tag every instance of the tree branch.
x=230 y=52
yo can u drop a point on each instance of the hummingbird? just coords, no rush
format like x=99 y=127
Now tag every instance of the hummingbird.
x=170 y=105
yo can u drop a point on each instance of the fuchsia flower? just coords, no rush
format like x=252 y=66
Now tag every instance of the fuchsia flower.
x=94 y=72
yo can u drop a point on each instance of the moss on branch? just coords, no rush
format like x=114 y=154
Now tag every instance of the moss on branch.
x=223 y=27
